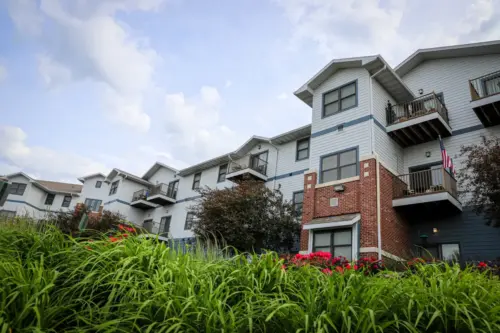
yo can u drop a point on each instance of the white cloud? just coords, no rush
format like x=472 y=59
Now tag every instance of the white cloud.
x=25 y=15
x=3 y=73
x=42 y=161
x=53 y=73
x=196 y=125
x=393 y=28
x=282 y=96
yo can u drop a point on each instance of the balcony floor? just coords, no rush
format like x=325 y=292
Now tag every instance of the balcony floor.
x=142 y=204
x=241 y=174
x=161 y=199
x=434 y=201
x=418 y=130
x=488 y=110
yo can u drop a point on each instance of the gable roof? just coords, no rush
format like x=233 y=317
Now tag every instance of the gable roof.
x=245 y=148
x=157 y=166
x=50 y=186
x=454 y=51
x=373 y=64
x=116 y=172
x=82 y=179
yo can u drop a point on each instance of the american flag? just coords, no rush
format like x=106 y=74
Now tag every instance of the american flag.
x=447 y=161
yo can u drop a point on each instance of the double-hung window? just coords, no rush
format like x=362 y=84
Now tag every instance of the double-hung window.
x=165 y=225
x=337 y=242
x=340 y=99
x=114 y=187
x=196 y=181
x=49 y=199
x=17 y=188
x=66 y=201
x=298 y=199
x=93 y=204
x=339 y=166
x=98 y=184
x=222 y=173
x=302 y=149
x=190 y=221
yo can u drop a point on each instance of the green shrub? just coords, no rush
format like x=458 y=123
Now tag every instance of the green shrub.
x=53 y=283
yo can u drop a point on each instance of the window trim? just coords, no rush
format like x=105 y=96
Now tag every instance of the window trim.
x=68 y=202
x=47 y=197
x=98 y=182
x=24 y=190
x=189 y=214
x=294 y=203
x=194 y=181
x=224 y=173
x=332 y=245
x=117 y=182
x=338 y=88
x=297 y=149
x=356 y=148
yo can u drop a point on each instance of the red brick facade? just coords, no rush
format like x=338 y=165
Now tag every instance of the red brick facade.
x=359 y=196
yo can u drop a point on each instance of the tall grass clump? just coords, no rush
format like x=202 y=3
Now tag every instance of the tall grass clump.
x=50 y=282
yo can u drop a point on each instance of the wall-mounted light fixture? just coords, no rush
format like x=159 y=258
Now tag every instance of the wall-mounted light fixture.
x=435 y=230
x=259 y=146
x=420 y=91
x=339 y=188
x=427 y=154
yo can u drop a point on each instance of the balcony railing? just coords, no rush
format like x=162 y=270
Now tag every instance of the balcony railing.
x=140 y=195
x=253 y=162
x=420 y=106
x=168 y=190
x=424 y=182
x=485 y=86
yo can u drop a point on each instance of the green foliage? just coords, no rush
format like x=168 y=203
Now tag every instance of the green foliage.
x=248 y=216
x=51 y=282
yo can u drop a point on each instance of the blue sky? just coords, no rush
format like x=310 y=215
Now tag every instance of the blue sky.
x=88 y=85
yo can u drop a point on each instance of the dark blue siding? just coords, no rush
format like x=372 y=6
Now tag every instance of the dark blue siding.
x=477 y=240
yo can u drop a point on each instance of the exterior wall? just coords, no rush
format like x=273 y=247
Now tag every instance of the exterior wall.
x=163 y=175
x=89 y=191
x=338 y=79
x=390 y=153
x=477 y=240
x=380 y=99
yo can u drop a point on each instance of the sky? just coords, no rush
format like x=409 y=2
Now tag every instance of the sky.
x=89 y=85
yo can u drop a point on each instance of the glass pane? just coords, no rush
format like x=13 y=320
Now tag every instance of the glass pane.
x=302 y=154
x=303 y=144
x=342 y=238
x=348 y=102
x=429 y=253
x=349 y=157
x=329 y=162
x=331 y=108
x=321 y=249
x=348 y=171
x=344 y=251
x=329 y=176
x=331 y=96
x=322 y=239
x=298 y=197
x=348 y=90
x=450 y=252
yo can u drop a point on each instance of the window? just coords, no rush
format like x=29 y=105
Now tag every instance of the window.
x=114 y=187
x=165 y=225
x=337 y=242
x=172 y=189
x=7 y=214
x=445 y=251
x=302 y=149
x=17 y=188
x=340 y=99
x=189 y=221
x=298 y=199
x=148 y=225
x=66 y=201
x=339 y=166
x=49 y=200
x=196 y=181
x=222 y=173
x=258 y=162
x=93 y=204
x=98 y=184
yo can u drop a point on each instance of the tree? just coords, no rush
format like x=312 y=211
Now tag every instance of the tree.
x=480 y=178
x=248 y=216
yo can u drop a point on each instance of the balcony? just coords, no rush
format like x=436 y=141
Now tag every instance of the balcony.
x=421 y=120
x=139 y=200
x=249 y=167
x=433 y=188
x=163 y=194
x=485 y=98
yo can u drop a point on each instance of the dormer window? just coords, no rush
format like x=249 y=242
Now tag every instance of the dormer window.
x=340 y=99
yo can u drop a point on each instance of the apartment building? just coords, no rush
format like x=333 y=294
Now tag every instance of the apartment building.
x=366 y=173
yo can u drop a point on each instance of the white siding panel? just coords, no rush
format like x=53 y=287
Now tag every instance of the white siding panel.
x=451 y=76
x=336 y=80
x=390 y=153
x=287 y=156
x=163 y=175
x=380 y=98
x=290 y=185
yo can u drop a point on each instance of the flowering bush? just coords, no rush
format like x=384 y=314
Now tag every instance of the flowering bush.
x=492 y=267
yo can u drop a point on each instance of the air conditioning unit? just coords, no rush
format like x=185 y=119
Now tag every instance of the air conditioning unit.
x=4 y=190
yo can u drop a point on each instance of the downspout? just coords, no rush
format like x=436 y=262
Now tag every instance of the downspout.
x=276 y=164
x=372 y=139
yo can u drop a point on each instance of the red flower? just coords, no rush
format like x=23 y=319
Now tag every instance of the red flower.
x=327 y=271
x=113 y=239
x=482 y=265
x=124 y=235
x=348 y=266
x=283 y=267
x=356 y=267
x=88 y=248
x=339 y=269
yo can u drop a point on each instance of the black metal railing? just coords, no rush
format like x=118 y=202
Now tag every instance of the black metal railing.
x=485 y=86
x=424 y=182
x=253 y=162
x=140 y=195
x=168 y=190
x=418 y=107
